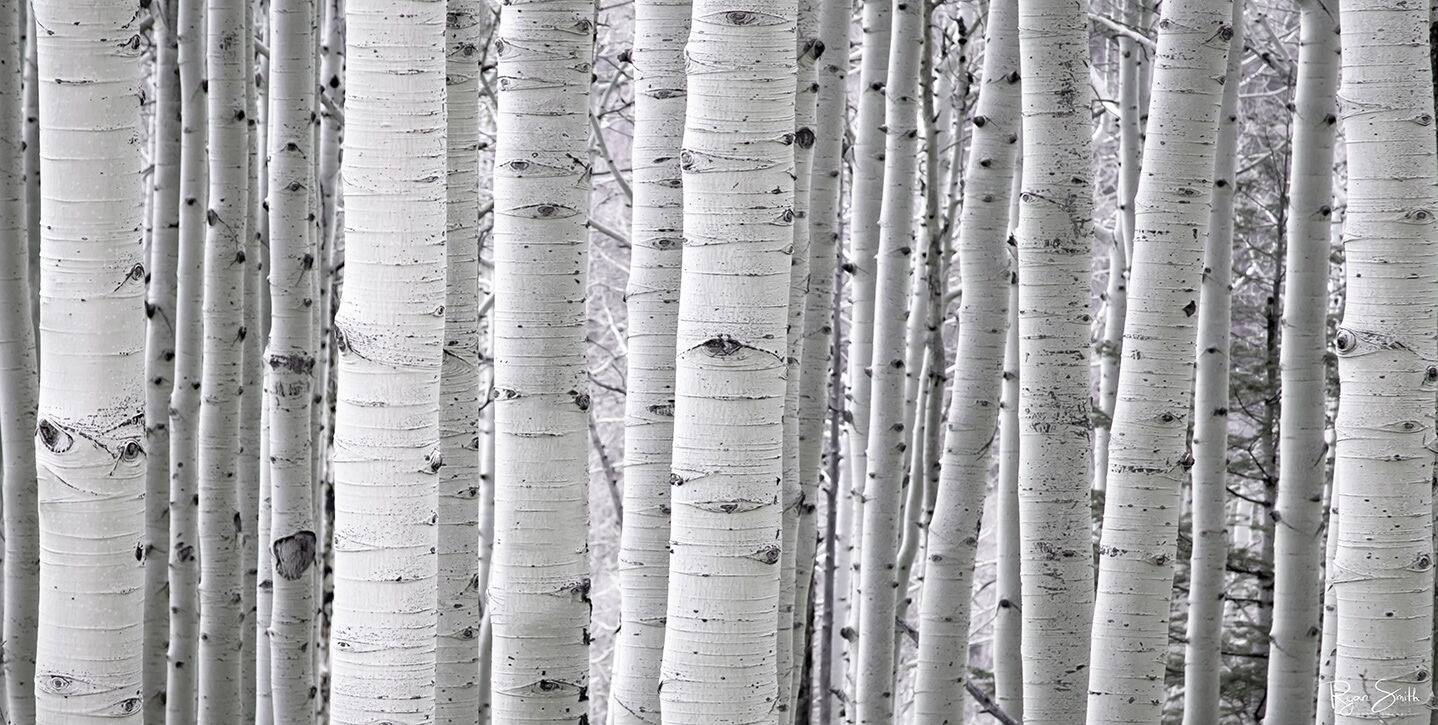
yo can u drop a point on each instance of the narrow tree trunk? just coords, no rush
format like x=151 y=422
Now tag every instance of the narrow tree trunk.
x=1053 y=236
x=252 y=369
x=290 y=362
x=1383 y=568
x=539 y=581
x=1298 y=524
x=719 y=662
x=661 y=28
x=89 y=441
x=18 y=382
x=873 y=692
x=978 y=362
x=457 y=668
x=1203 y=665
x=227 y=216
x=1008 y=620
x=181 y=696
x=389 y=336
x=1147 y=457
x=265 y=581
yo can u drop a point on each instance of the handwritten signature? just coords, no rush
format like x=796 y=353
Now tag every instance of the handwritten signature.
x=1348 y=702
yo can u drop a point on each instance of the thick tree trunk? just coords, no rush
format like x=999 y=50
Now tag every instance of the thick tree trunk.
x=290 y=545
x=657 y=232
x=389 y=336
x=89 y=436
x=1383 y=567
x=18 y=389
x=1054 y=241
x=456 y=684
x=983 y=259
x=719 y=662
x=1298 y=526
x=1203 y=665
x=539 y=581
x=181 y=696
x=1147 y=458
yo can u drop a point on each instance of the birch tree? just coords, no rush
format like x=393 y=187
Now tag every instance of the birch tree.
x=1053 y=236
x=181 y=697
x=539 y=580
x=290 y=361
x=89 y=434
x=389 y=335
x=457 y=668
x=1147 y=456
x=661 y=28
x=1298 y=526
x=719 y=662
x=18 y=381
x=1382 y=570
x=983 y=261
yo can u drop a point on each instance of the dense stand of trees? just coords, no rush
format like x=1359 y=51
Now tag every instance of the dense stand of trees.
x=710 y=361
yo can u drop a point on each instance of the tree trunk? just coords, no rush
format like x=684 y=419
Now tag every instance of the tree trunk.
x=1053 y=237
x=1008 y=621
x=18 y=389
x=1147 y=458
x=389 y=335
x=180 y=693
x=457 y=669
x=539 y=581
x=290 y=361
x=89 y=443
x=719 y=663
x=252 y=368
x=1386 y=351
x=1203 y=665
x=978 y=362
x=657 y=232
x=1298 y=535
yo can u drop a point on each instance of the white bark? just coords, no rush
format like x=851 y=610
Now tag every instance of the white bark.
x=1147 y=456
x=18 y=383
x=457 y=668
x=1202 y=662
x=389 y=334
x=719 y=663
x=290 y=543
x=256 y=322
x=983 y=318
x=1008 y=621
x=661 y=28
x=180 y=694
x=1054 y=243
x=539 y=582
x=1383 y=568
x=89 y=439
x=1298 y=528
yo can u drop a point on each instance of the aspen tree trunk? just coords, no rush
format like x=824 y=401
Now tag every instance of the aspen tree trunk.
x=1054 y=241
x=1147 y=457
x=873 y=691
x=18 y=387
x=539 y=581
x=1202 y=662
x=827 y=74
x=290 y=545
x=790 y=656
x=661 y=28
x=389 y=333
x=1386 y=366
x=1131 y=83
x=864 y=209
x=983 y=261
x=1328 y=639
x=1008 y=621
x=227 y=216
x=1298 y=527
x=89 y=436
x=719 y=664
x=31 y=107
x=159 y=359
x=181 y=696
x=457 y=668
x=256 y=322
x=265 y=584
